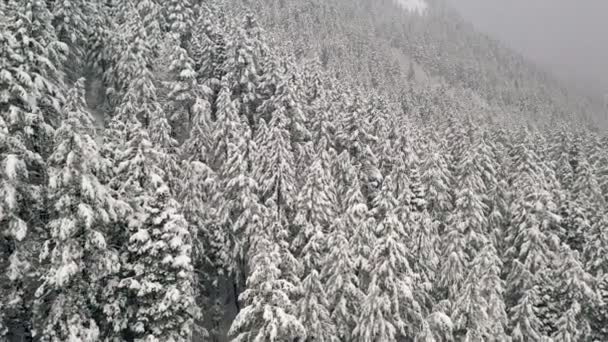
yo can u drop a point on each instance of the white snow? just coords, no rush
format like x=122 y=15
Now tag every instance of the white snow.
x=417 y=6
x=13 y=167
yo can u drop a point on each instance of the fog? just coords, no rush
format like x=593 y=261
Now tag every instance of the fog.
x=567 y=37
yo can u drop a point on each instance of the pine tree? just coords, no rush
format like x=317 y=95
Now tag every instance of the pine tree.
x=158 y=270
x=31 y=85
x=389 y=310
x=479 y=311
x=274 y=165
x=278 y=94
x=180 y=89
x=313 y=306
x=152 y=21
x=133 y=53
x=268 y=314
x=180 y=18
x=343 y=287
x=208 y=47
x=425 y=258
x=359 y=223
x=228 y=127
x=77 y=249
x=436 y=177
x=242 y=65
x=241 y=211
x=470 y=197
x=314 y=204
x=576 y=292
x=532 y=246
x=71 y=19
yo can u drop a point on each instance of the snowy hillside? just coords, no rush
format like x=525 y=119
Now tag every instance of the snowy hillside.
x=417 y=6
x=289 y=171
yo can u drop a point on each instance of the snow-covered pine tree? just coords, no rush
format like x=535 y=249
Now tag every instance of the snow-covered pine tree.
x=424 y=256
x=157 y=274
x=273 y=166
x=344 y=293
x=199 y=187
x=576 y=294
x=314 y=203
x=465 y=231
x=228 y=128
x=208 y=46
x=389 y=311
x=277 y=93
x=436 y=178
x=180 y=18
x=132 y=53
x=314 y=209
x=586 y=205
x=313 y=306
x=269 y=312
x=179 y=90
x=479 y=312
x=153 y=22
x=532 y=246
x=71 y=19
x=241 y=211
x=31 y=84
x=79 y=256
x=154 y=227
x=470 y=199
x=243 y=66
x=596 y=263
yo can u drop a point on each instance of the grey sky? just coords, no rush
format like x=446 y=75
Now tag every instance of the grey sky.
x=568 y=37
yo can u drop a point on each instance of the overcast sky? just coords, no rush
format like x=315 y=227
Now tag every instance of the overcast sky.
x=569 y=37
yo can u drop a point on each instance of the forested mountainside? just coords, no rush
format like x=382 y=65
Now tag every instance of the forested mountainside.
x=380 y=45
x=278 y=181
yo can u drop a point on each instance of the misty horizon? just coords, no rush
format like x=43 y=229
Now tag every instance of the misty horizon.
x=566 y=38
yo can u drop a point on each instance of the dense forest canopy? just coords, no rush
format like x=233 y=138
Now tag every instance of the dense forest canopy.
x=261 y=170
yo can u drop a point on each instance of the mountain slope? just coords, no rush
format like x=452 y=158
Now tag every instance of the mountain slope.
x=319 y=171
x=366 y=41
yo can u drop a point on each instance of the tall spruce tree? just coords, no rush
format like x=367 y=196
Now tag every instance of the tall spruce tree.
x=31 y=84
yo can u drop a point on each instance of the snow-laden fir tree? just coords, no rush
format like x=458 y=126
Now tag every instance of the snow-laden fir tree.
x=424 y=256
x=344 y=293
x=180 y=17
x=72 y=20
x=242 y=65
x=139 y=298
x=470 y=209
x=269 y=312
x=359 y=224
x=208 y=47
x=240 y=207
x=479 y=312
x=274 y=164
x=436 y=177
x=78 y=253
x=575 y=289
x=277 y=91
x=314 y=208
x=313 y=306
x=179 y=90
x=314 y=204
x=152 y=21
x=31 y=88
x=532 y=245
x=158 y=269
x=389 y=310
x=133 y=53
x=453 y=258
x=228 y=127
